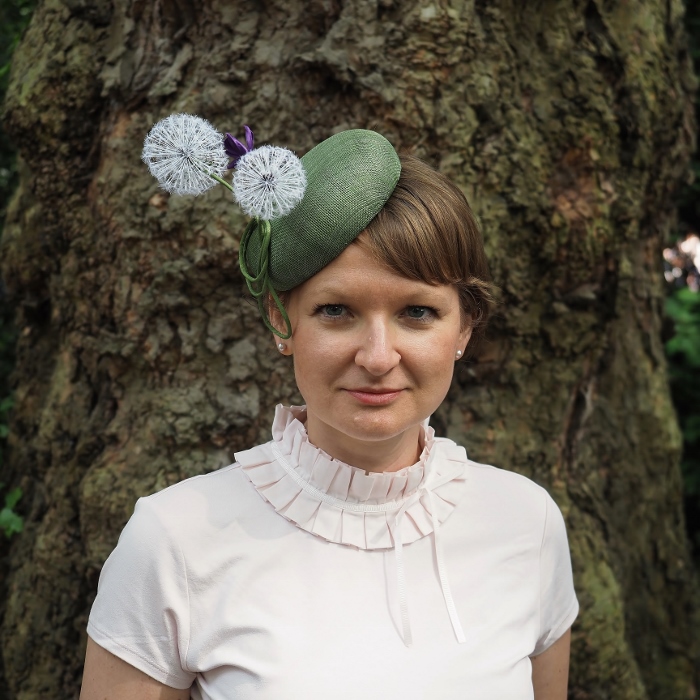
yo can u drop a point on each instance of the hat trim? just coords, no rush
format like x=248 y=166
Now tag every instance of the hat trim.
x=259 y=284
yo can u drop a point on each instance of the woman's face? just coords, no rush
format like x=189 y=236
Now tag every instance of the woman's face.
x=373 y=351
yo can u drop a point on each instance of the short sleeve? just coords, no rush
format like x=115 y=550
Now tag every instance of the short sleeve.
x=141 y=612
x=558 y=603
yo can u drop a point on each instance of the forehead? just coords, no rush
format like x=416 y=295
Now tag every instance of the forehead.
x=357 y=271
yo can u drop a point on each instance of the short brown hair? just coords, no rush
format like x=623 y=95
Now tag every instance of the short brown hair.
x=427 y=231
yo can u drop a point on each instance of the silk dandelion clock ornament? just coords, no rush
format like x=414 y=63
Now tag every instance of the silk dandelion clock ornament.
x=185 y=153
x=269 y=182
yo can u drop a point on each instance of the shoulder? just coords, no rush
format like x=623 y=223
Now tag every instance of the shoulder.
x=502 y=494
x=504 y=481
x=183 y=492
x=206 y=501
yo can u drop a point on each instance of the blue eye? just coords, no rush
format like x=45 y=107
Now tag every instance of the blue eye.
x=420 y=313
x=331 y=310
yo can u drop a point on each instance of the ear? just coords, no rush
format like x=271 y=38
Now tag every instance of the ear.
x=464 y=336
x=273 y=313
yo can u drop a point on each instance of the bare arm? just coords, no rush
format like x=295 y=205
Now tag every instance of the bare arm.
x=550 y=670
x=107 y=677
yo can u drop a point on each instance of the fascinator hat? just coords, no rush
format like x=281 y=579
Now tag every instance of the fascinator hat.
x=304 y=212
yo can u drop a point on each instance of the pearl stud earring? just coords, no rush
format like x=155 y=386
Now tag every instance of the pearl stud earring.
x=281 y=347
x=459 y=354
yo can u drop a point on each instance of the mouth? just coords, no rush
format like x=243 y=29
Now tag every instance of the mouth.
x=374 y=397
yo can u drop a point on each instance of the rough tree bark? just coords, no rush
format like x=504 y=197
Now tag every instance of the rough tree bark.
x=567 y=122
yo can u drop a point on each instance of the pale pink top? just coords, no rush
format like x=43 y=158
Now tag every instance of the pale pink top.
x=292 y=575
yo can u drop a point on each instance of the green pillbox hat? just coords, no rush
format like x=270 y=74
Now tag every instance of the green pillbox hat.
x=305 y=212
x=349 y=178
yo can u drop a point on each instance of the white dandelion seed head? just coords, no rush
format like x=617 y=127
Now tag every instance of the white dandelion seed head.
x=269 y=182
x=181 y=151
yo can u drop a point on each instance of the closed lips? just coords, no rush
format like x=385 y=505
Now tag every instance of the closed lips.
x=376 y=391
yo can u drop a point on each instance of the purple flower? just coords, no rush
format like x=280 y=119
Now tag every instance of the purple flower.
x=235 y=149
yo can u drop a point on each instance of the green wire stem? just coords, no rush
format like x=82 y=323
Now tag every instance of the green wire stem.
x=221 y=181
x=259 y=284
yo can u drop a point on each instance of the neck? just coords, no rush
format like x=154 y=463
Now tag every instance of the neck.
x=387 y=455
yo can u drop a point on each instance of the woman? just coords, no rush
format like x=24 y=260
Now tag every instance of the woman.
x=356 y=554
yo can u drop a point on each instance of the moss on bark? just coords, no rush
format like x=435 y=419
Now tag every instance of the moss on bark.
x=568 y=125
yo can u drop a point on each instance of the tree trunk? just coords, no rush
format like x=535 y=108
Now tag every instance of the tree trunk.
x=568 y=123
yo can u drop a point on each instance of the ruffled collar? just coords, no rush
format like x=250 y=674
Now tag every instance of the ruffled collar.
x=344 y=504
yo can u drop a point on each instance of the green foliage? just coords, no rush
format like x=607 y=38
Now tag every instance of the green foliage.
x=10 y=522
x=683 y=306
x=683 y=349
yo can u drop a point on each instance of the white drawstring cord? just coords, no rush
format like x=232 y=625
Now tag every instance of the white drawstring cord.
x=442 y=573
x=444 y=583
x=403 y=603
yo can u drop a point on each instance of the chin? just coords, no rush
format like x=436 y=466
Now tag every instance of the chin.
x=376 y=423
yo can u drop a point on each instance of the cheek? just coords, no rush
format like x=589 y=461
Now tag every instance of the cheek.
x=316 y=363
x=433 y=363
x=434 y=352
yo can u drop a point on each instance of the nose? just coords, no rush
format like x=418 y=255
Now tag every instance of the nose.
x=377 y=351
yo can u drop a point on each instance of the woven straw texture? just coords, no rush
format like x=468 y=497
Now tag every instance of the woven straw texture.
x=350 y=176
